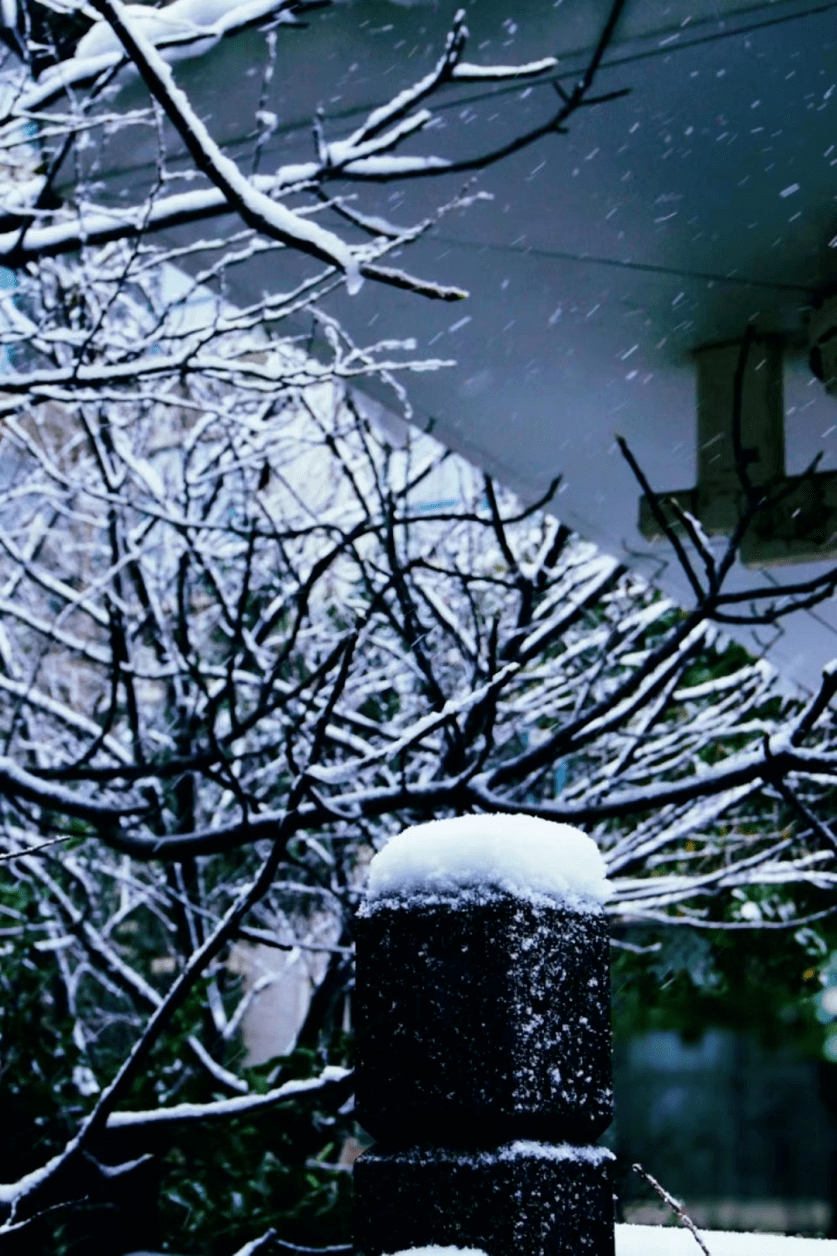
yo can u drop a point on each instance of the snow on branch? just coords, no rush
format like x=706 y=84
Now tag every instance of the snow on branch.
x=367 y=154
x=256 y=209
x=16 y=782
x=184 y=26
x=466 y=72
x=331 y=1079
x=421 y=729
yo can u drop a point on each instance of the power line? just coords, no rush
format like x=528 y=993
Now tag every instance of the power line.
x=614 y=61
x=560 y=255
x=663 y=50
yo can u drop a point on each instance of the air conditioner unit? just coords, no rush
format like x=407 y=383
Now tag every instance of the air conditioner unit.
x=822 y=342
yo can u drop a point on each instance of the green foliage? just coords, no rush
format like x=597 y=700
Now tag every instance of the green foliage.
x=223 y=1185
x=225 y=1181
x=41 y=1102
x=762 y=981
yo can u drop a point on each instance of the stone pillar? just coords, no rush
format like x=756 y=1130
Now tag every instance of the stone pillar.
x=483 y=1065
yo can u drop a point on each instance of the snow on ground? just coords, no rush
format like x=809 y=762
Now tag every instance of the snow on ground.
x=520 y=855
x=652 y=1240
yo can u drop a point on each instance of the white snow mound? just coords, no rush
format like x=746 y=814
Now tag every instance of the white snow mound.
x=441 y=1251
x=647 y=1240
x=468 y=856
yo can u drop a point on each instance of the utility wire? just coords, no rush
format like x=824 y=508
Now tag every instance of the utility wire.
x=560 y=255
x=614 y=61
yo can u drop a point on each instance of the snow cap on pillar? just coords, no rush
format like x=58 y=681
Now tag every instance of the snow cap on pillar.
x=482 y=986
x=470 y=858
x=482 y=1018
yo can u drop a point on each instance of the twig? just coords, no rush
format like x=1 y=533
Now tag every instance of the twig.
x=658 y=513
x=313 y=1251
x=794 y=801
x=33 y=850
x=677 y=1207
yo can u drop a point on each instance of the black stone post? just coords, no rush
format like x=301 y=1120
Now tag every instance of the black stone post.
x=483 y=1069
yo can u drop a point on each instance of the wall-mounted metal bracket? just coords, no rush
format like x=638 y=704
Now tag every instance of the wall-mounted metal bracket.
x=802 y=525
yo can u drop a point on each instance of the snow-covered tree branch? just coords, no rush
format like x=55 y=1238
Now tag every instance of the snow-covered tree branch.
x=126 y=32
